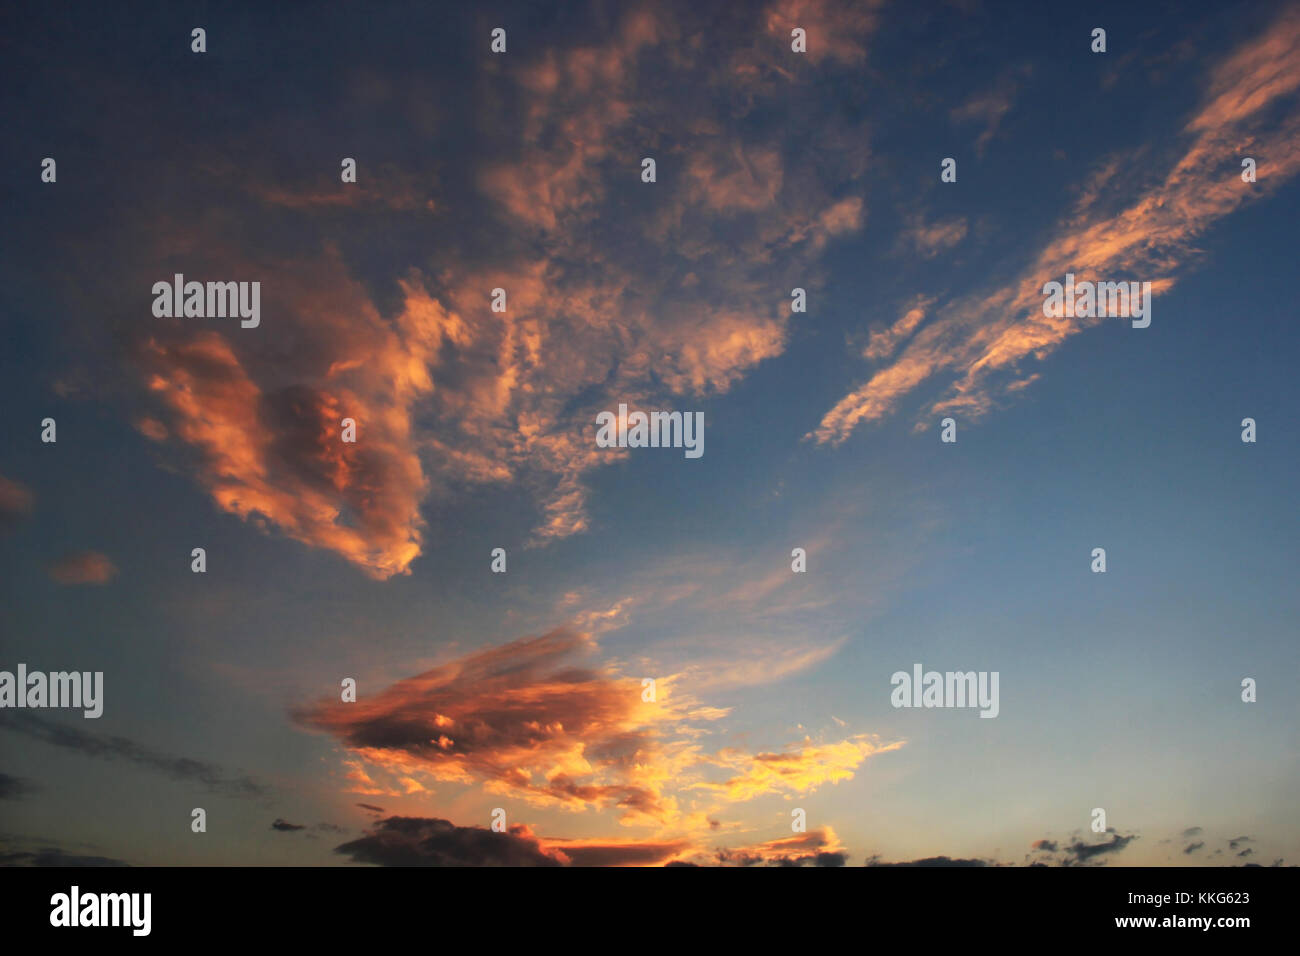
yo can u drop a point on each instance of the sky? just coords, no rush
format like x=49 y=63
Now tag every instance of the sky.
x=504 y=718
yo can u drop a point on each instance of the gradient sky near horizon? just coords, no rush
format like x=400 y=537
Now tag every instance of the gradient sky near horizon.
x=476 y=430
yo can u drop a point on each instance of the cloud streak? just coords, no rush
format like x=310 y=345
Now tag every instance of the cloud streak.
x=980 y=341
x=121 y=748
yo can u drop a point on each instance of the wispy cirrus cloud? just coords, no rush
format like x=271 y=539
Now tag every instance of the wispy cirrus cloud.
x=112 y=747
x=980 y=341
x=988 y=107
x=929 y=239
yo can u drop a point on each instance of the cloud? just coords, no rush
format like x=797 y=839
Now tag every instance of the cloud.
x=15 y=788
x=121 y=748
x=1051 y=853
x=820 y=847
x=761 y=663
x=448 y=394
x=416 y=841
x=835 y=30
x=929 y=239
x=420 y=841
x=526 y=719
x=83 y=567
x=799 y=770
x=54 y=856
x=1079 y=852
x=537 y=720
x=979 y=341
x=284 y=826
x=267 y=423
x=1236 y=842
x=884 y=341
x=387 y=188
x=370 y=808
x=1192 y=831
x=1193 y=847
x=16 y=501
x=988 y=107
x=930 y=861
x=616 y=852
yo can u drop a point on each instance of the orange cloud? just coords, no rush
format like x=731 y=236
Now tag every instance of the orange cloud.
x=618 y=853
x=16 y=500
x=819 y=847
x=83 y=567
x=930 y=239
x=532 y=721
x=796 y=771
x=835 y=30
x=447 y=393
x=981 y=339
x=524 y=720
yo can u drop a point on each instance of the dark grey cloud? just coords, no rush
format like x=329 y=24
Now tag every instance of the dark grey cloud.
x=121 y=748
x=1191 y=832
x=312 y=832
x=370 y=807
x=1193 y=847
x=1236 y=842
x=15 y=788
x=1076 y=852
x=421 y=841
x=1080 y=852
x=927 y=861
x=53 y=856
x=425 y=841
x=742 y=858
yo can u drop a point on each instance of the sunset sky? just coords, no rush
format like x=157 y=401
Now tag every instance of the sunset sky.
x=476 y=430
